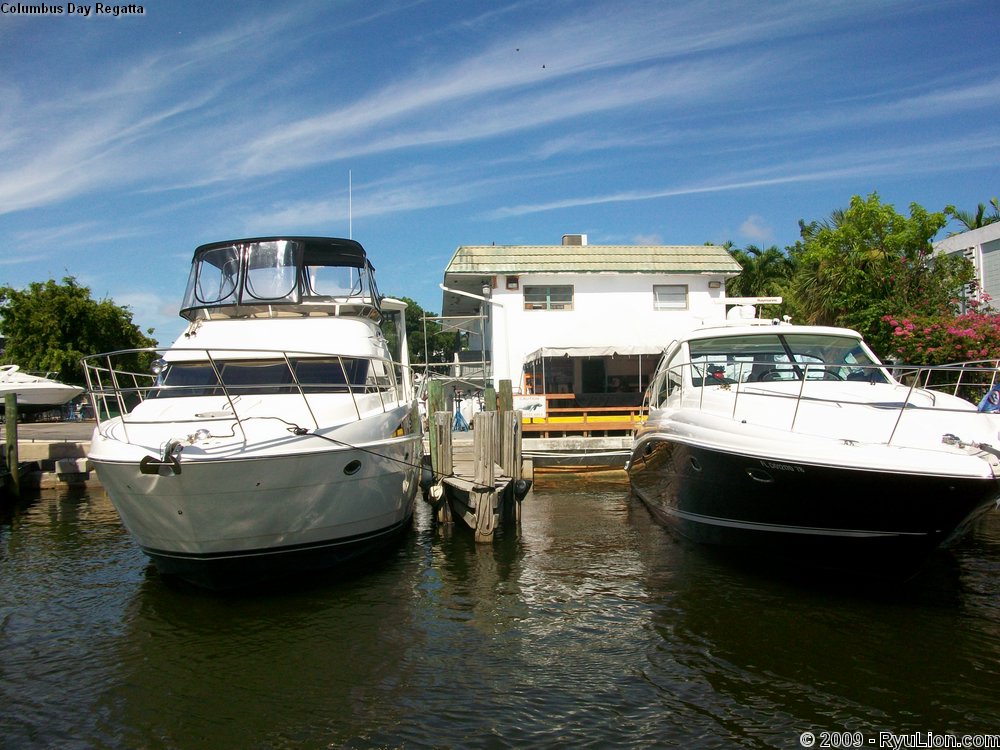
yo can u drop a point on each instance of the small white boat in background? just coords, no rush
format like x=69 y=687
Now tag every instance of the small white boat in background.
x=279 y=432
x=34 y=392
x=795 y=441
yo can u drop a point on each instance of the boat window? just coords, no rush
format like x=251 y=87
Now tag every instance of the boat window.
x=241 y=377
x=335 y=281
x=379 y=376
x=272 y=270
x=215 y=277
x=187 y=379
x=668 y=380
x=331 y=374
x=257 y=377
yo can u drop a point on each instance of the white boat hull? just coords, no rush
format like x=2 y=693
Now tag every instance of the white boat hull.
x=218 y=521
x=39 y=396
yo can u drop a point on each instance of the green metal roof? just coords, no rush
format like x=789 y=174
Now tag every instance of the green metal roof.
x=524 y=259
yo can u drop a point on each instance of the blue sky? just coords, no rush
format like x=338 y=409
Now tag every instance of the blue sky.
x=127 y=141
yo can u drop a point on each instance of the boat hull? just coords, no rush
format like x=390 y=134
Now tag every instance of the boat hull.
x=229 y=522
x=826 y=516
x=32 y=397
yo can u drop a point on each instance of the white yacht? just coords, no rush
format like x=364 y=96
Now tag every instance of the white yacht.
x=279 y=432
x=795 y=441
x=34 y=392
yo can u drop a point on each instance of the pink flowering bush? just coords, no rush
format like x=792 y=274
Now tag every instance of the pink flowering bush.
x=940 y=337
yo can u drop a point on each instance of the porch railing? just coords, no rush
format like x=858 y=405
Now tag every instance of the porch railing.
x=564 y=418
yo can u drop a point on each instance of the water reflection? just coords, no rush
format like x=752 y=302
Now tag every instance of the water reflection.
x=589 y=626
x=777 y=652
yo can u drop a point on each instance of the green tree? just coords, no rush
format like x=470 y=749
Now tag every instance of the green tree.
x=51 y=326
x=870 y=262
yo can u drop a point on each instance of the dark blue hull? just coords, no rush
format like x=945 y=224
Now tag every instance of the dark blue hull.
x=829 y=517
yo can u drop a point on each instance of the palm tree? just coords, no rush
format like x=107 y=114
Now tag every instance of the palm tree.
x=763 y=274
x=975 y=221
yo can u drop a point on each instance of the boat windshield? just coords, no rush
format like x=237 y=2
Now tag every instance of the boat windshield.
x=269 y=376
x=748 y=358
x=246 y=277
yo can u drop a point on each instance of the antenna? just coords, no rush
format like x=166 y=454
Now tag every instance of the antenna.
x=350 y=207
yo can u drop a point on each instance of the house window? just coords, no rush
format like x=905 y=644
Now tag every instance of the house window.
x=548 y=297
x=670 y=297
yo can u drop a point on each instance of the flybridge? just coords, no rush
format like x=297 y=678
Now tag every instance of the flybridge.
x=272 y=276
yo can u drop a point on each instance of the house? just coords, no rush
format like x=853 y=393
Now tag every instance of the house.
x=581 y=325
x=982 y=247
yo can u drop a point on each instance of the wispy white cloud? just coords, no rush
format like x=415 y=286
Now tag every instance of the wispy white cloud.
x=927 y=157
x=153 y=120
x=94 y=132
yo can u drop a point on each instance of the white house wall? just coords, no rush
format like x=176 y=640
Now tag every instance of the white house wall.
x=982 y=247
x=609 y=309
x=991 y=270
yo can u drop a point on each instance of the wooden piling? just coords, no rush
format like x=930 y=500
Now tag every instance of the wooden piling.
x=435 y=404
x=505 y=400
x=478 y=477
x=435 y=396
x=442 y=461
x=510 y=456
x=483 y=493
x=11 y=455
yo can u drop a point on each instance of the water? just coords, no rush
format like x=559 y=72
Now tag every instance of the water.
x=591 y=627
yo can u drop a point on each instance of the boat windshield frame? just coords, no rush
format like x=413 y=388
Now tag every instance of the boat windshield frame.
x=783 y=355
x=272 y=275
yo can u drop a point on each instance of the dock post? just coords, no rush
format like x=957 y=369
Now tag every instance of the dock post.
x=442 y=462
x=510 y=446
x=435 y=403
x=489 y=398
x=10 y=416
x=505 y=399
x=435 y=396
x=510 y=458
x=483 y=494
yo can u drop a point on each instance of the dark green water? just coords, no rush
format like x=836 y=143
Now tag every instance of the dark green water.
x=589 y=627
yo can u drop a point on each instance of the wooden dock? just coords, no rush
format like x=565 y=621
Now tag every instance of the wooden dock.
x=479 y=478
